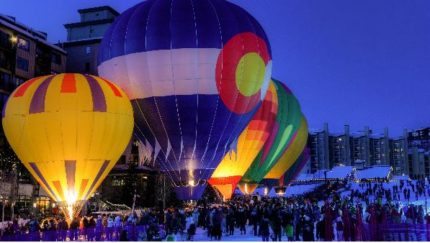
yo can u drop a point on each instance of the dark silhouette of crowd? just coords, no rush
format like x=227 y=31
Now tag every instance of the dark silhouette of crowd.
x=332 y=212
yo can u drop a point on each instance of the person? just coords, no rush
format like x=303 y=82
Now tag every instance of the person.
x=339 y=229
x=74 y=229
x=289 y=230
x=123 y=236
x=117 y=226
x=217 y=220
x=99 y=228
x=241 y=220
x=276 y=223
x=308 y=229
x=191 y=227
x=62 y=230
x=255 y=219
x=321 y=229
x=33 y=229
x=109 y=228
x=264 y=228
x=230 y=221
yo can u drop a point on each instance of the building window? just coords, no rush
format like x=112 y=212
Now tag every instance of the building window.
x=23 y=44
x=87 y=67
x=5 y=40
x=22 y=64
x=56 y=58
x=88 y=50
x=5 y=82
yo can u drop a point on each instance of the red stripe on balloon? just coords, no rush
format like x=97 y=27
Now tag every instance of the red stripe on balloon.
x=69 y=83
x=113 y=87
x=21 y=89
x=224 y=180
x=83 y=186
x=57 y=185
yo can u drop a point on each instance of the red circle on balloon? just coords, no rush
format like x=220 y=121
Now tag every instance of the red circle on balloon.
x=228 y=61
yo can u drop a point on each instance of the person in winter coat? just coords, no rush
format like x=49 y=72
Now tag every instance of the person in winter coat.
x=289 y=230
x=264 y=229
x=321 y=230
x=109 y=228
x=191 y=227
x=230 y=220
x=308 y=229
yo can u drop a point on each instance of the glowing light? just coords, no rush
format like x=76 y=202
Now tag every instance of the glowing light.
x=191 y=183
x=266 y=191
x=70 y=203
x=246 y=189
x=34 y=205
x=13 y=39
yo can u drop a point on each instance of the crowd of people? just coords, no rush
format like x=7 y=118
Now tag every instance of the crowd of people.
x=326 y=214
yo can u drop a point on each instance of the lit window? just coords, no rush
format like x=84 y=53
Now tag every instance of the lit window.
x=88 y=50
x=23 y=44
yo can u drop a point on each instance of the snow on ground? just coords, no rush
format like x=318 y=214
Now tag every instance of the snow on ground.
x=201 y=235
x=340 y=172
x=373 y=172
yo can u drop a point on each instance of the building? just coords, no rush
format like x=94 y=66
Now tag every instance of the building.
x=318 y=142
x=420 y=138
x=24 y=53
x=84 y=37
x=364 y=149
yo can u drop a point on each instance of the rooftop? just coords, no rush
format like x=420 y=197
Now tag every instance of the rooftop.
x=97 y=9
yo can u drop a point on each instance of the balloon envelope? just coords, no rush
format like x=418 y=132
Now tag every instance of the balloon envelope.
x=283 y=134
x=196 y=72
x=250 y=142
x=69 y=131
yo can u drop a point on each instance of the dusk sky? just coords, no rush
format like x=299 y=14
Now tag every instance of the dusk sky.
x=361 y=62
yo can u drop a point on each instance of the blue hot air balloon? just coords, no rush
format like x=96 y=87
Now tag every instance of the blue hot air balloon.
x=196 y=72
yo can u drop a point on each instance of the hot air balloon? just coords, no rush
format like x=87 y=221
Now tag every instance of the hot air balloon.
x=196 y=72
x=69 y=131
x=251 y=140
x=294 y=170
x=291 y=154
x=288 y=121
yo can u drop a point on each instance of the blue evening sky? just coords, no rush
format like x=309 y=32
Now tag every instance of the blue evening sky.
x=361 y=62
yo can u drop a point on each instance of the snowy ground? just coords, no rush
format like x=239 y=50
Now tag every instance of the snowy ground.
x=201 y=235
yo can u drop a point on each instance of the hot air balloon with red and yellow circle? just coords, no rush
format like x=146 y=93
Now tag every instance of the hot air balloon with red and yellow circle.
x=196 y=72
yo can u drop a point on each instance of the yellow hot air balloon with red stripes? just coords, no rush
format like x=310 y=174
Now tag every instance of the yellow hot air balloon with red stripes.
x=68 y=130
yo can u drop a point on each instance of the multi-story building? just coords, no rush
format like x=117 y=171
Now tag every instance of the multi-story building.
x=420 y=138
x=318 y=142
x=84 y=37
x=24 y=53
x=365 y=149
x=399 y=155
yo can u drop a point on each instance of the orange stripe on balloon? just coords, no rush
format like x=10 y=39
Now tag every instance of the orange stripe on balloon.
x=57 y=186
x=83 y=186
x=113 y=87
x=21 y=89
x=69 y=83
